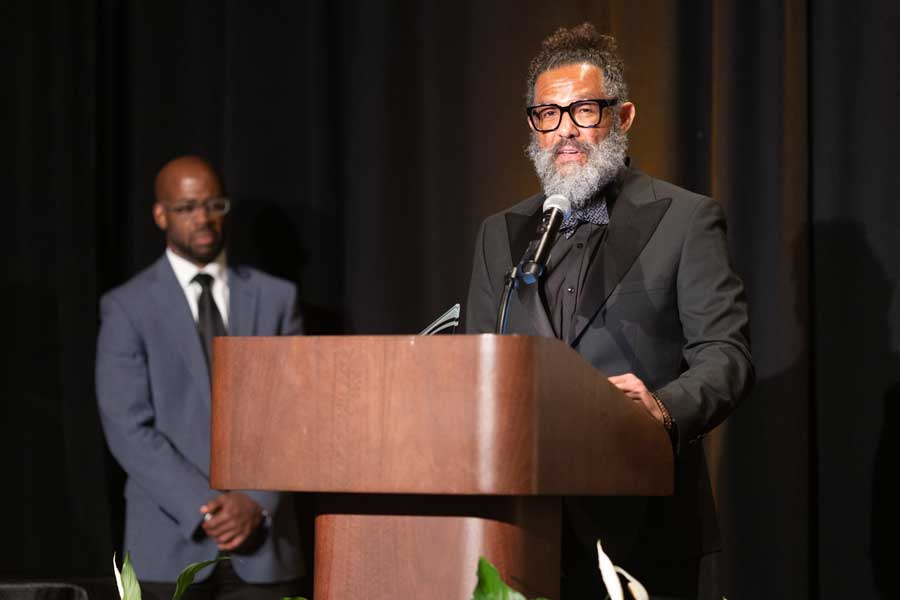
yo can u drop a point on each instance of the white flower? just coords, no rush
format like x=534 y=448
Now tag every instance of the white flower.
x=118 y=578
x=611 y=580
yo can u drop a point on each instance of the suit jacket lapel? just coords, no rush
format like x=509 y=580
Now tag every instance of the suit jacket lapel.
x=635 y=216
x=177 y=320
x=530 y=299
x=242 y=302
x=522 y=228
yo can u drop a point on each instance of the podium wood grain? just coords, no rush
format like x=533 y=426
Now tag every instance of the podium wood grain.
x=430 y=451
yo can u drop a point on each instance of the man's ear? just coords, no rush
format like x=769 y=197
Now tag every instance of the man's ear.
x=627 y=113
x=159 y=216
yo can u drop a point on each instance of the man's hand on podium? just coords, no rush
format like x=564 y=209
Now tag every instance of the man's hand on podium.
x=635 y=389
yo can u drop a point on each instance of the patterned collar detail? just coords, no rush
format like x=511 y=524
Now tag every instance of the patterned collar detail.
x=595 y=213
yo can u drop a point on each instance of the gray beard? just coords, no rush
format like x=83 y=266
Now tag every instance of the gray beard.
x=577 y=182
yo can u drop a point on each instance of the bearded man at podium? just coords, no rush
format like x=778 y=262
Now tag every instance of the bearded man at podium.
x=639 y=282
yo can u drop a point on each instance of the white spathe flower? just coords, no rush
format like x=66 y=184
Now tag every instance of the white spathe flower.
x=118 y=578
x=608 y=571
x=634 y=586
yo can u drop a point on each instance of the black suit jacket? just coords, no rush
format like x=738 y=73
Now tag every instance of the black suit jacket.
x=662 y=301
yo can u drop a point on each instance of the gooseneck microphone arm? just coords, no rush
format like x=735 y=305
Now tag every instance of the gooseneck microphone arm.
x=509 y=284
x=534 y=262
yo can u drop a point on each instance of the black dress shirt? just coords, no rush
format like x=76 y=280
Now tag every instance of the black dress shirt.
x=567 y=269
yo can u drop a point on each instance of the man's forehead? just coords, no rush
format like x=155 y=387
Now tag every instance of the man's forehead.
x=189 y=183
x=575 y=81
x=181 y=169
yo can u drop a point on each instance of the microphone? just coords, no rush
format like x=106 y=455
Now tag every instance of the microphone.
x=555 y=209
x=532 y=265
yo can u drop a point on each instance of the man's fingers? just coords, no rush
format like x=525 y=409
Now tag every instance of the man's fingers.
x=635 y=389
x=227 y=536
x=233 y=543
x=220 y=530
x=219 y=526
x=213 y=505
x=232 y=521
x=628 y=386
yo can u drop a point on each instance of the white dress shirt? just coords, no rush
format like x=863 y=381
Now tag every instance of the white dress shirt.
x=185 y=271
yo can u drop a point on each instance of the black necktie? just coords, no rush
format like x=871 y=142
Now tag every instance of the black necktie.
x=209 y=320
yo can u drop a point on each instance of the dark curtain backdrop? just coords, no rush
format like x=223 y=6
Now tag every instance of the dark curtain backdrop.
x=364 y=142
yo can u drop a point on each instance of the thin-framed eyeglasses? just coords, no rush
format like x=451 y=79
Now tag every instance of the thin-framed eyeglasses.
x=215 y=207
x=584 y=113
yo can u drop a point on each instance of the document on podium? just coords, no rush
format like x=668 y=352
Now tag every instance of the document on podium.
x=446 y=323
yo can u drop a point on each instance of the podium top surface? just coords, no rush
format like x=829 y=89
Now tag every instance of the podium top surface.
x=458 y=414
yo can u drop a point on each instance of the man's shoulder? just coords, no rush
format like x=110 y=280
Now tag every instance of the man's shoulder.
x=266 y=281
x=635 y=182
x=136 y=287
x=637 y=185
x=665 y=189
x=660 y=188
x=682 y=204
x=526 y=207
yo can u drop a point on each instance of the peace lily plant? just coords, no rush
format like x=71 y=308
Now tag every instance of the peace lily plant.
x=130 y=589
x=489 y=587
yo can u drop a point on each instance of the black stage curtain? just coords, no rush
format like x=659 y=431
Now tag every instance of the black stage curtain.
x=364 y=142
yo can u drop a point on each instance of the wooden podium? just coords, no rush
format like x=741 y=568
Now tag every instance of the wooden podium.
x=429 y=452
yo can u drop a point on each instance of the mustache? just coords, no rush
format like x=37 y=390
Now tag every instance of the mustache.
x=585 y=147
x=207 y=228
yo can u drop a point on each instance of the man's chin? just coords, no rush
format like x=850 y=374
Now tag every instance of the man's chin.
x=569 y=168
x=205 y=255
x=200 y=255
x=564 y=160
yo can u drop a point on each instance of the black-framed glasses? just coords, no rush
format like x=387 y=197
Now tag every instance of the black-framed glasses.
x=215 y=207
x=584 y=113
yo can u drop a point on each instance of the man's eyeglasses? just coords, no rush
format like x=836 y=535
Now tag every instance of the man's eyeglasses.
x=215 y=207
x=584 y=113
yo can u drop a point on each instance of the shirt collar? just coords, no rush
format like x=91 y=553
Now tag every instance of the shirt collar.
x=185 y=270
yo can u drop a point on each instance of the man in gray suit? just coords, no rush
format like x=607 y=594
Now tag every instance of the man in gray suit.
x=153 y=390
x=639 y=282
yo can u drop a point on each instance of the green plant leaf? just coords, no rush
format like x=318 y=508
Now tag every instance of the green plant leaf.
x=491 y=587
x=131 y=589
x=187 y=575
x=293 y=598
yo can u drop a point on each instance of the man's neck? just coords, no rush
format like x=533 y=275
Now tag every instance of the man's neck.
x=185 y=269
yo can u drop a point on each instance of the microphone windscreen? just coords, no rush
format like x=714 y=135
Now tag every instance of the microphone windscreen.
x=559 y=202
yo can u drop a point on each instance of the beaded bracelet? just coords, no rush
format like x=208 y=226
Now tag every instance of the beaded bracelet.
x=667 y=418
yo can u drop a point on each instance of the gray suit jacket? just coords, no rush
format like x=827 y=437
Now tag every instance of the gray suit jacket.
x=153 y=391
x=664 y=303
